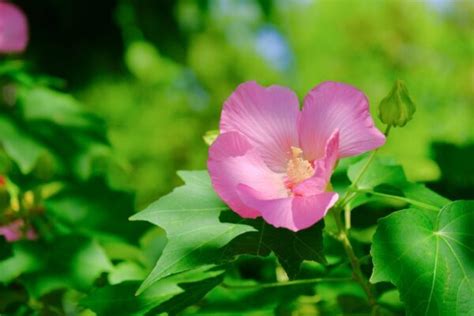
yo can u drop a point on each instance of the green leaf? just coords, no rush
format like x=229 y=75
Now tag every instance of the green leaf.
x=6 y=250
x=170 y=294
x=24 y=259
x=190 y=217
x=291 y=248
x=429 y=256
x=386 y=179
x=379 y=172
x=88 y=208
x=43 y=104
x=71 y=261
x=21 y=148
x=245 y=297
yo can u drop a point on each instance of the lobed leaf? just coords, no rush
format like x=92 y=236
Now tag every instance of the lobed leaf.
x=190 y=217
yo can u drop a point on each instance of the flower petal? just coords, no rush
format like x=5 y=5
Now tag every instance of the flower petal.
x=267 y=117
x=233 y=161
x=323 y=170
x=309 y=210
x=330 y=106
x=293 y=213
x=13 y=29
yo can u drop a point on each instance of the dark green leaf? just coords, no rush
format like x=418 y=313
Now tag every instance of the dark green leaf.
x=190 y=217
x=5 y=249
x=245 y=297
x=90 y=208
x=70 y=261
x=291 y=248
x=188 y=287
x=429 y=256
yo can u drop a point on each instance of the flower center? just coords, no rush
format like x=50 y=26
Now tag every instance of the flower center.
x=298 y=168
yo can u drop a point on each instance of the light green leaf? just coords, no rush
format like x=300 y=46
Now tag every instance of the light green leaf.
x=43 y=104
x=429 y=256
x=21 y=148
x=379 y=172
x=24 y=259
x=190 y=217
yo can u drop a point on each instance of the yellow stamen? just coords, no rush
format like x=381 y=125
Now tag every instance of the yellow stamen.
x=298 y=169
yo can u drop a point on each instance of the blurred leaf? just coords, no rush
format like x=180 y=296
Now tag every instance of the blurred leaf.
x=5 y=249
x=291 y=248
x=11 y=296
x=428 y=255
x=24 y=259
x=22 y=149
x=145 y=62
x=90 y=207
x=186 y=288
x=247 y=298
x=391 y=298
x=70 y=261
x=190 y=217
x=43 y=104
x=338 y=297
x=152 y=244
x=457 y=169
x=127 y=271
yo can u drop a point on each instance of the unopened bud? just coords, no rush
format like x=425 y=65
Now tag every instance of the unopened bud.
x=397 y=108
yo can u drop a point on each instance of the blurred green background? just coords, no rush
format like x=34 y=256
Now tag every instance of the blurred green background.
x=159 y=71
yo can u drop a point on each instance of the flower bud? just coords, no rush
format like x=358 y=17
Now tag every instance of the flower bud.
x=397 y=108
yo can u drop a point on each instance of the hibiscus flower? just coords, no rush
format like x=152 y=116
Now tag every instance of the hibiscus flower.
x=275 y=161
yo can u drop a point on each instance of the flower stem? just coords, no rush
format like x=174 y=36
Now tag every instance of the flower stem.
x=355 y=263
x=280 y=284
x=342 y=205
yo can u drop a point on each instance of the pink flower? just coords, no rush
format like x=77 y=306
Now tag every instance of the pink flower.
x=13 y=29
x=275 y=161
x=15 y=231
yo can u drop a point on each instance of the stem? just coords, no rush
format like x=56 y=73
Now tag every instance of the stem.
x=280 y=284
x=363 y=170
x=353 y=186
x=355 y=263
x=347 y=216
x=342 y=205
x=401 y=198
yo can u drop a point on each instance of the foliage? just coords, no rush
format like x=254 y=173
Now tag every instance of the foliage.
x=145 y=80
